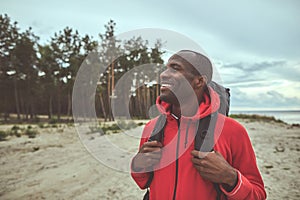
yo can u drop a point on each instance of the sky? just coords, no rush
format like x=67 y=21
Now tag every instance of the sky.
x=254 y=45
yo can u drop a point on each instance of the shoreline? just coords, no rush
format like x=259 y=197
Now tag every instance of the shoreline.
x=257 y=115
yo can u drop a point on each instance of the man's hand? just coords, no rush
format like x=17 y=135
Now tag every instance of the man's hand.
x=213 y=167
x=148 y=156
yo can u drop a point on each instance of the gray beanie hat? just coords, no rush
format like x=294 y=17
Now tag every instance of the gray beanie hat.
x=198 y=61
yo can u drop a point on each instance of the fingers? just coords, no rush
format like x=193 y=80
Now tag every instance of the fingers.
x=212 y=166
x=199 y=154
x=203 y=161
x=153 y=143
x=152 y=146
x=150 y=149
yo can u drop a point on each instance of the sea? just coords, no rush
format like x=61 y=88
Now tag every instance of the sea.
x=288 y=116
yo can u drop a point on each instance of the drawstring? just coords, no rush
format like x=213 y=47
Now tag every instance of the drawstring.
x=186 y=132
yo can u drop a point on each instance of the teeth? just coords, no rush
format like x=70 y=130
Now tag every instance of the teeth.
x=165 y=85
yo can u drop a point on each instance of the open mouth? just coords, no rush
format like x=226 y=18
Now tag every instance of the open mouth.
x=165 y=85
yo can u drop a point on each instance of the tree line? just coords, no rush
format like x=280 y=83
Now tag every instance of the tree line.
x=37 y=79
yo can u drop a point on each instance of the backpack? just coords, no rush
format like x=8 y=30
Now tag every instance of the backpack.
x=205 y=133
x=224 y=95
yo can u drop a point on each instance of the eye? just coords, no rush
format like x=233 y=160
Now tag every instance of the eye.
x=174 y=68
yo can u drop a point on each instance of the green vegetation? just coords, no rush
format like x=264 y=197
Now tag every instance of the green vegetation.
x=252 y=118
x=31 y=133
x=18 y=131
x=3 y=135
x=114 y=128
x=105 y=128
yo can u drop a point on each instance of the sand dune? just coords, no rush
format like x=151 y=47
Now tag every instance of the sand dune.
x=56 y=164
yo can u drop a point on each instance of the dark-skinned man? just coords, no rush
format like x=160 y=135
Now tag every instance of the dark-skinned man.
x=176 y=169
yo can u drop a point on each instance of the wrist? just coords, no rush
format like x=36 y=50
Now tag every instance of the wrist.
x=232 y=180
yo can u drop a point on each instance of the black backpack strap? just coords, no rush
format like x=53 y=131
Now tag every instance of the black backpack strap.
x=204 y=139
x=149 y=180
x=157 y=134
x=219 y=192
x=158 y=131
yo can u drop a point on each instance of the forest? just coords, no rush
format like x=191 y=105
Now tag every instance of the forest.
x=37 y=79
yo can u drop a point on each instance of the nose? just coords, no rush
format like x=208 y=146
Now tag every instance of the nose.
x=164 y=74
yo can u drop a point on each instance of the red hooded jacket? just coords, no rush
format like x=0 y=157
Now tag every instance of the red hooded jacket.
x=231 y=141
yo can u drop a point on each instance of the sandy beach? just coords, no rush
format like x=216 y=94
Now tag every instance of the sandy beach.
x=57 y=165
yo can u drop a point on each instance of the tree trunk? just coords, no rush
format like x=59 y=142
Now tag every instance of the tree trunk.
x=28 y=102
x=6 y=113
x=140 y=101
x=17 y=98
x=69 y=103
x=58 y=102
x=31 y=103
x=102 y=106
x=26 y=105
x=148 y=102
x=26 y=111
x=108 y=95
x=22 y=106
x=145 y=102
x=50 y=107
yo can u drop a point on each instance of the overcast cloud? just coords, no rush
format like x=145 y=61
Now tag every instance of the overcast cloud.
x=255 y=44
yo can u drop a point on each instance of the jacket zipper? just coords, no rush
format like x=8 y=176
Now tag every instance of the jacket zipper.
x=177 y=152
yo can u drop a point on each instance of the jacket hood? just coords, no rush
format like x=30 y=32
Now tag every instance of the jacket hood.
x=206 y=107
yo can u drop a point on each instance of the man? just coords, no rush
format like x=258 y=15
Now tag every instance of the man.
x=180 y=172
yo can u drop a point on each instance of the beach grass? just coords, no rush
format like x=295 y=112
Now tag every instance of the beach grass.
x=254 y=117
x=18 y=131
x=114 y=127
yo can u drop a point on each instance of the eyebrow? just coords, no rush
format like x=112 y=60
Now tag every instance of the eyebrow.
x=173 y=64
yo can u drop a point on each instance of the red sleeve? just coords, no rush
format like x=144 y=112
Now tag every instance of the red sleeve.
x=250 y=185
x=142 y=177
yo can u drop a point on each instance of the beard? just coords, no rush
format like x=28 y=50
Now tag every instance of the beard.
x=169 y=97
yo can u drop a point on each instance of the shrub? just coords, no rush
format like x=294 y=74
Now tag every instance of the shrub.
x=114 y=128
x=15 y=128
x=16 y=131
x=3 y=135
x=31 y=133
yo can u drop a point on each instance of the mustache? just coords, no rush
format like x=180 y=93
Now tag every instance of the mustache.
x=167 y=81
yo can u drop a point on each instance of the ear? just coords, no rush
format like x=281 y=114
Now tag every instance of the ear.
x=200 y=81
